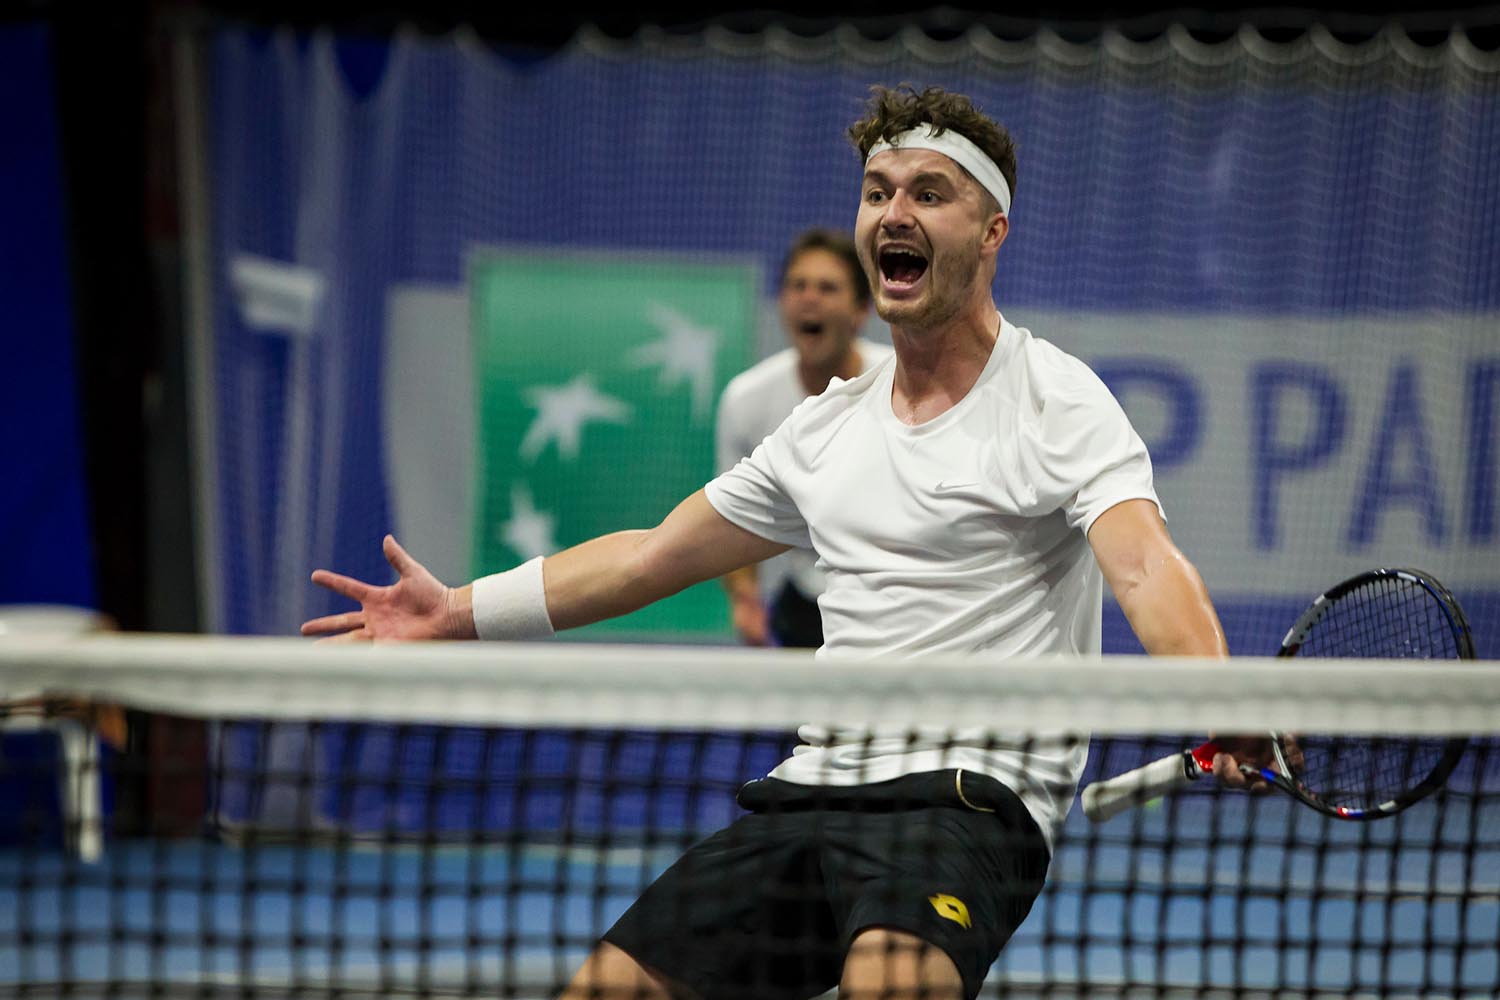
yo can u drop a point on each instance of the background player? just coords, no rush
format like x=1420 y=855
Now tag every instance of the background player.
x=824 y=301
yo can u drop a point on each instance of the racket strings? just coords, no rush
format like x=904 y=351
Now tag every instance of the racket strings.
x=1390 y=617
x=1364 y=772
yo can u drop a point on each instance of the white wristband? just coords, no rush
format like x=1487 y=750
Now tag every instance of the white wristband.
x=513 y=604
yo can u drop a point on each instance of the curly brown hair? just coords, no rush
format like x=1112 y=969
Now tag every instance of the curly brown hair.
x=893 y=110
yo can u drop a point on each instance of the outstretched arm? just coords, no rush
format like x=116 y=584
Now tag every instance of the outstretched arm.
x=619 y=573
x=1168 y=606
x=601 y=578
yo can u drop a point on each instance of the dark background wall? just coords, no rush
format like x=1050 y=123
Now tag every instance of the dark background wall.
x=40 y=433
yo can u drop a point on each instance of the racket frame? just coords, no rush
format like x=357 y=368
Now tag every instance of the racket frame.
x=1291 y=645
x=1105 y=799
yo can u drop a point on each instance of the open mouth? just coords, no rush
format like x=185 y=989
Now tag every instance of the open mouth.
x=902 y=266
x=812 y=327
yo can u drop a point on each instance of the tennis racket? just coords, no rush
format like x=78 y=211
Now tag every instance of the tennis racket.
x=1380 y=614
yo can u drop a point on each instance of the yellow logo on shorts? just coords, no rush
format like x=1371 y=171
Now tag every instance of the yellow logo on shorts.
x=951 y=908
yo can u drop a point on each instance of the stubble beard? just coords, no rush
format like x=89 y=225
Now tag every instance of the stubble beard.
x=948 y=284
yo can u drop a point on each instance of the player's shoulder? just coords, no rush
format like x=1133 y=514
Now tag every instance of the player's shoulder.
x=876 y=358
x=1052 y=370
x=1044 y=355
x=1060 y=395
x=842 y=398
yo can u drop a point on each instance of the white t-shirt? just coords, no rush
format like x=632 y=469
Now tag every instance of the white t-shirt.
x=969 y=534
x=753 y=405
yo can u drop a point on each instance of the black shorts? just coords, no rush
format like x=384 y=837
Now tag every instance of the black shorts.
x=796 y=620
x=769 y=906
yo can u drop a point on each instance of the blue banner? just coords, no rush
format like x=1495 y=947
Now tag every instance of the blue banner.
x=1282 y=259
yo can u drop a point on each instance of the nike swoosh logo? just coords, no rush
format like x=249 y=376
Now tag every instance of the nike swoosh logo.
x=946 y=487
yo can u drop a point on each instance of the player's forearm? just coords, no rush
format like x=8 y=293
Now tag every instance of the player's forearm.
x=1169 y=608
x=590 y=582
x=603 y=578
x=613 y=574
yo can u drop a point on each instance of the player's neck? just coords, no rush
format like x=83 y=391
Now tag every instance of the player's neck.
x=937 y=366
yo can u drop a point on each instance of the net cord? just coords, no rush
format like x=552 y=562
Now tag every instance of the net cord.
x=566 y=684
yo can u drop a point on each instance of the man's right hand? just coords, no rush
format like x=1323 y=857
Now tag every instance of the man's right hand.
x=416 y=606
x=751 y=620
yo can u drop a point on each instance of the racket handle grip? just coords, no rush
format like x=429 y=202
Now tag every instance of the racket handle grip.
x=1104 y=799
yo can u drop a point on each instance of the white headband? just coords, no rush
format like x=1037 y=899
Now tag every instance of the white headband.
x=958 y=149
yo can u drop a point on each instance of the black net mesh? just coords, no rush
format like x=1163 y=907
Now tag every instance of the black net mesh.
x=277 y=842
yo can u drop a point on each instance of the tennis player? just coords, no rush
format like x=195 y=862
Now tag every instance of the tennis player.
x=824 y=300
x=973 y=493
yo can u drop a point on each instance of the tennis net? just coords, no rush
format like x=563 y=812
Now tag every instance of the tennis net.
x=467 y=820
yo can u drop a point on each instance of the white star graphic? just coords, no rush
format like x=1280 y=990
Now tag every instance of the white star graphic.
x=561 y=413
x=528 y=532
x=685 y=352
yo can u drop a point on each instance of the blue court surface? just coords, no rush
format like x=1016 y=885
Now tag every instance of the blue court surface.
x=1256 y=897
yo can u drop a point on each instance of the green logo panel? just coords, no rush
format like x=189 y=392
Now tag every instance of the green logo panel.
x=598 y=375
